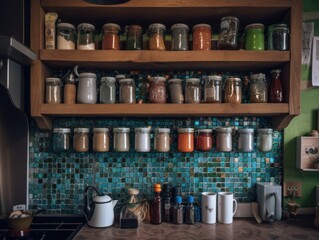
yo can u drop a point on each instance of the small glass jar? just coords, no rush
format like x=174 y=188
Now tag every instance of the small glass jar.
x=179 y=37
x=255 y=39
x=176 y=90
x=87 y=88
x=185 y=140
x=264 y=139
x=121 y=139
x=202 y=37
x=162 y=139
x=204 y=140
x=61 y=139
x=118 y=77
x=85 y=37
x=111 y=37
x=53 y=90
x=81 y=139
x=213 y=90
x=127 y=91
x=223 y=139
x=69 y=96
x=228 y=33
x=275 y=89
x=233 y=90
x=66 y=36
x=134 y=35
x=278 y=37
x=107 y=90
x=156 y=33
x=157 y=90
x=246 y=140
x=142 y=139
x=192 y=90
x=258 y=88
x=101 y=140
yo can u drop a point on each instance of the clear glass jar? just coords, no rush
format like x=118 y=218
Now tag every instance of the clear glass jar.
x=87 y=88
x=107 y=90
x=61 y=139
x=185 y=140
x=202 y=37
x=121 y=139
x=101 y=140
x=134 y=35
x=85 y=37
x=111 y=37
x=157 y=90
x=233 y=90
x=66 y=36
x=81 y=139
x=255 y=39
x=192 y=90
x=176 y=90
x=258 y=88
x=204 y=140
x=156 y=33
x=246 y=140
x=162 y=139
x=223 y=139
x=264 y=139
x=179 y=37
x=275 y=89
x=53 y=90
x=142 y=139
x=228 y=33
x=69 y=96
x=213 y=89
x=278 y=37
x=127 y=91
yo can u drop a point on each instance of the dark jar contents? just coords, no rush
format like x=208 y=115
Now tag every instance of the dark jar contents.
x=156 y=205
x=166 y=203
x=178 y=217
x=275 y=90
x=111 y=38
x=179 y=37
x=190 y=211
x=134 y=35
x=204 y=140
x=278 y=37
x=202 y=37
x=157 y=90
x=228 y=33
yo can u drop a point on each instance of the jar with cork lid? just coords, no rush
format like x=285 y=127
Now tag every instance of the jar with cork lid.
x=81 y=139
x=101 y=140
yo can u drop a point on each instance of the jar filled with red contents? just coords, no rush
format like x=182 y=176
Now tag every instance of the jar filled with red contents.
x=202 y=37
x=275 y=90
x=204 y=140
x=186 y=139
x=111 y=37
x=157 y=90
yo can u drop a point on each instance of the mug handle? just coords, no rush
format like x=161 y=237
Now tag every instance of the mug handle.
x=235 y=209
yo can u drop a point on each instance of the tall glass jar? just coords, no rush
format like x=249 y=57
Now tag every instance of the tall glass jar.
x=134 y=35
x=66 y=36
x=157 y=90
x=185 y=140
x=69 y=96
x=202 y=37
x=101 y=140
x=275 y=89
x=233 y=90
x=61 y=139
x=228 y=33
x=162 y=139
x=264 y=139
x=176 y=90
x=111 y=37
x=86 y=37
x=192 y=90
x=246 y=140
x=213 y=89
x=204 y=140
x=179 y=37
x=107 y=90
x=142 y=139
x=53 y=90
x=81 y=139
x=121 y=139
x=278 y=37
x=156 y=33
x=258 y=88
x=127 y=91
x=224 y=139
x=255 y=39
x=87 y=88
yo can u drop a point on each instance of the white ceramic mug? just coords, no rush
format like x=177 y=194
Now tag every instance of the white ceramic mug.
x=209 y=207
x=227 y=207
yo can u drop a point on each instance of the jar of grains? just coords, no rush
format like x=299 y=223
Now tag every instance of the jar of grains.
x=213 y=90
x=121 y=139
x=202 y=37
x=127 y=91
x=179 y=37
x=87 y=88
x=111 y=37
x=101 y=140
x=255 y=39
x=52 y=90
x=86 y=37
x=228 y=33
x=204 y=140
x=156 y=33
x=61 y=139
x=107 y=90
x=81 y=139
x=157 y=90
x=66 y=36
x=176 y=90
x=258 y=88
x=246 y=140
x=192 y=90
x=162 y=139
x=185 y=140
x=134 y=37
x=223 y=139
x=264 y=139
x=142 y=139
x=233 y=90
x=278 y=37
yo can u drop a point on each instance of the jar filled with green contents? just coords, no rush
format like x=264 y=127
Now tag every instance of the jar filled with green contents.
x=134 y=35
x=255 y=39
x=86 y=37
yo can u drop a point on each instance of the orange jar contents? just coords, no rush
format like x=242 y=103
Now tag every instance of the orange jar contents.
x=111 y=38
x=202 y=37
x=186 y=139
x=204 y=140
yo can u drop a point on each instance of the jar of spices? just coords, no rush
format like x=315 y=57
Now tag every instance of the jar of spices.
x=204 y=140
x=228 y=33
x=264 y=139
x=255 y=39
x=162 y=139
x=107 y=90
x=111 y=37
x=142 y=139
x=223 y=139
x=233 y=90
x=275 y=89
x=258 y=88
x=81 y=139
x=127 y=91
x=66 y=36
x=134 y=35
x=186 y=139
x=69 y=90
x=202 y=37
x=157 y=90
x=179 y=37
x=213 y=90
x=61 y=139
x=278 y=37
x=121 y=139
x=192 y=90
x=86 y=37
x=176 y=90
x=53 y=90
x=87 y=88
x=246 y=140
x=101 y=140
x=156 y=33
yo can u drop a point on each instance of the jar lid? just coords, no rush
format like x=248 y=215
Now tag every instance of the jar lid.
x=223 y=130
x=279 y=26
x=275 y=71
x=205 y=130
x=254 y=25
x=100 y=130
x=85 y=25
x=124 y=80
x=229 y=18
x=162 y=130
x=121 y=130
x=265 y=130
x=84 y=130
x=214 y=77
x=61 y=130
x=233 y=79
x=87 y=74
x=192 y=80
x=202 y=25
x=158 y=79
x=108 y=79
x=119 y=76
x=186 y=130
x=175 y=80
x=257 y=76
x=66 y=25
x=143 y=129
x=246 y=130
x=179 y=25
x=156 y=25
x=135 y=27
x=112 y=25
x=52 y=80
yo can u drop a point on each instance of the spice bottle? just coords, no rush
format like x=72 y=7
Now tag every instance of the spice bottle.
x=156 y=36
x=66 y=36
x=87 y=88
x=157 y=90
x=53 y=90
x=134 y=35
x=202 y=37
x=166 y=203
x=111 y=38
x=275 y=89
x=81 y=139
x=176 y=90
x=61 y=139
x=258 y=88
x=127 y=91
x=162 y=139
x=185 y=140
x=204 y=140
x=86 y=37
x=101 y=140
x=121 y=139
x=213 y=90
x=190 y=211
x=107 y=90
x=255 y=39
x=179 y=37
x=233 y=90
x=178 y=217
x=223 y=139
x=69 y=90
x=192 y=90
x=228 y=33
x=142 y=140
x=264 y=139
x=156 y=205
x=246 y=140
x=278 y=37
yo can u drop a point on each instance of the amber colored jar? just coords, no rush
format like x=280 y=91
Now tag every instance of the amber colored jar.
x=204 y=140
x=233 y=90
x=156 y=32
x=156 y=205
x=275 y=89
x=202 y=37
x=185 y=139
x=157 y=90
x=111 y=38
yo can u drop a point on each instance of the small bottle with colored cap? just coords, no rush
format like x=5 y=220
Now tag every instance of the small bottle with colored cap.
x=156 y=205
x=178 y=211
x=190 y=211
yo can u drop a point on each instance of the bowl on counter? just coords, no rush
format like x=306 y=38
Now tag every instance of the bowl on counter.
x=19 y=220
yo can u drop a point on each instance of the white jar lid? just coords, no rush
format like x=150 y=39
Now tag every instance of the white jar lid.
x=83 y=130
x=223 y=130
x=86 y=25
x=100 y=130
x=52 y=80
x=156 y=25
x=246 y=130
x=126 y=80
x=108 y=79
x=205 y=130
x=179 y=25
x=192 y=80
x=162 y=130
x=158 y=79
x=175 y=80
x=61 y=130
x=186 y=130
x=214 y=77
x=257 y=76
x=143 y=129
x=87 y=74
x=121 y=130
x=265 y=130
x=202 y=25
x=66 y=25
x=112 y=25
x=120 y=76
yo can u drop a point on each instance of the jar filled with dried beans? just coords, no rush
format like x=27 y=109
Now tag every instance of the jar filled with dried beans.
x=111 y=37
x=156 y=33
x=101 y=140
x=202 y=37
x=192 y=90
x=81 y=139
x=233 y=90
x=157 y=90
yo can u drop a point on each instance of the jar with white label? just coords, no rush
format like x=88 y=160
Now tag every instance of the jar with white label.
x=66 y=36
x=107 y=90
x=162 y=139
x=176 y=90
x=142 y=139
x=81 y=139
x=121 y=139
x=52 y=90
x=246 y=140
x=224 y=139
x=85 y=37
x=87 y=88
x=127 y=91
x=101 y=140
x=192 y=90
x=213 y=89
x=61 y=139
x=264 y=139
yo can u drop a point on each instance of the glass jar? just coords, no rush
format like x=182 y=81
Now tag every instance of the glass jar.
x=156 y=33
x=192 y=90
x=111 y=37
x=185 y=140
x=223 y=139
x=255 y=39
x=179 y=37
x=69 y=96
x=81 y=139
x=233 y=90
x=278 y=37
x=228 y=33
x=66 y=36
x=258 y=88
x=275 y=89
x=213 y=90
x=127 y=91
x=118 y=77
x=176 y=90
x=162 y=139
x=134 y=35
x=121 y=139
x=53 y=90
x=264 y=139
x=107 y=90
x=202 y=37
x=246 y=140
x=61 y=139
x=157 y=90
x=86 y=37
x=142 y=139
x=101 y=140
x=204 y=140
x=87 y=88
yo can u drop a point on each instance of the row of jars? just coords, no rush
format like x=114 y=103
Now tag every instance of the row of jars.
x=162 y=140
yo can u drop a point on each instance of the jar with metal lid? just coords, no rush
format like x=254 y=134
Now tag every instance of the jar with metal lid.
x=258 y=88
x=278 y=37
x=157 y=90
x=87 y=88
x=255 y=39
x=185 y=140
x=142 y=139
x=176 y=90
x=179 y=37
x=204 y=140
x=61 y=139
x=192 y=90
x=275 y=89
x=111 y=37
x=53 y=90
x=228 y=33
x=81 y=139
x=213 y=89
x=134 y=35
x=246 y=140
x=118 y=77
x=66 y=36
x=202 y=37
x=121 y=139
x=162 y=139
x=107 y=90
x=86 y=37
x=224 y=139
x=101 y=140
x=233 y=90
x=156 y=33
x=264 y=139
x=127 y=91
